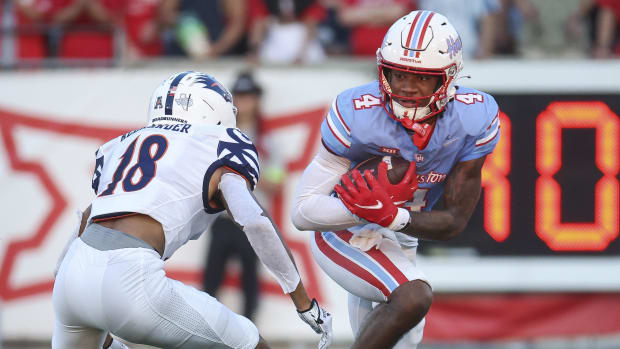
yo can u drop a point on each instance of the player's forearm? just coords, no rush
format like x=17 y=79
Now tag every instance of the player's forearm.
x=272 y=252
x=300 y=297
x=461 y=195
x=313 y=207
x=260 y=231
x=321 y=213
x=434 y=225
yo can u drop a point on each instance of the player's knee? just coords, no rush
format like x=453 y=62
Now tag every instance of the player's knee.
x=413 y=300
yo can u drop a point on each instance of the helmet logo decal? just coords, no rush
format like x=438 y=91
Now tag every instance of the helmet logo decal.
x=158 y=104
x=407 y=42
x=417 y=34
x=185 y=101
x=452 y=70
x=212 y=84
x=172 y=91
x=454 y=46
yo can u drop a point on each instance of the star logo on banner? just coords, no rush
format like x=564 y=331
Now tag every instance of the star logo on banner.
x=22 y=243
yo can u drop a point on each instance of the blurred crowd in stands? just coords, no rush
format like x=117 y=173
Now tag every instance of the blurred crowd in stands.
x=294 y=31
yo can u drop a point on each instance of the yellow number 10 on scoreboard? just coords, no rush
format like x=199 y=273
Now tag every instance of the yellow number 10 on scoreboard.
x=559 y=236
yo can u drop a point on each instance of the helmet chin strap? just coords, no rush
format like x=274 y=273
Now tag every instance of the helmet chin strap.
x=408 y=116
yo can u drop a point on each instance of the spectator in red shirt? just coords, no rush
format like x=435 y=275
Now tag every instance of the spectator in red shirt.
x=369 y=20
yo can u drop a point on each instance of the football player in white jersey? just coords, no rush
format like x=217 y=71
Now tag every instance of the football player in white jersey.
x=415 y=111
x=156 y=188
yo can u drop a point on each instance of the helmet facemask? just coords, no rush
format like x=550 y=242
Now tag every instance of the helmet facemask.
x=424 y=107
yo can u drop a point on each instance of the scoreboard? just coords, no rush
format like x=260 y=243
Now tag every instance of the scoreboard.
x=551 y=187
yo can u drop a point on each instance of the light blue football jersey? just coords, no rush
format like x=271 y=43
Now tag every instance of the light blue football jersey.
x=357 y=127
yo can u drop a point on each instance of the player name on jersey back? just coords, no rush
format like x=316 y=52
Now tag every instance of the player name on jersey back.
x=171 y=127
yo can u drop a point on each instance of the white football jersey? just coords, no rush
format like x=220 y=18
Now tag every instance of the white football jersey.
x=164 y=171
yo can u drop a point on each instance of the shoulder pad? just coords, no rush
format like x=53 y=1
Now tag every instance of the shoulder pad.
x=357 y=98
x=339 y=123
x=236 y=151
x=347 y=97
x=475 y=109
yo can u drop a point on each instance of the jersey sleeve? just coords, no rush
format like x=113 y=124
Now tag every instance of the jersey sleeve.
x=485 y=136
x=238 y=153
x=235 y=151
x=336 y=130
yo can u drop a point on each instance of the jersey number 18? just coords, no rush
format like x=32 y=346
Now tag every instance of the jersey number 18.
x=146 y=165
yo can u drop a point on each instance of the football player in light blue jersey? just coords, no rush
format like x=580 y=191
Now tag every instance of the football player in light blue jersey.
x=415 y=111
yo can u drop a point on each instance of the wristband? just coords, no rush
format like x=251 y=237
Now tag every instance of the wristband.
x=401 y=220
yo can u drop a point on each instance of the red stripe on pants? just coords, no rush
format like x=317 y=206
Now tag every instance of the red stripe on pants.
x=344 y=262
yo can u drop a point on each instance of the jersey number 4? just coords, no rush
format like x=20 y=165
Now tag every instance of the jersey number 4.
x=419 y=201
x=367 y=101
x=469 y=98
x=142 y=172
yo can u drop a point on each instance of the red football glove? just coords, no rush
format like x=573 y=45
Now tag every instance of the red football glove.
x=403 y=191
x=373 y=205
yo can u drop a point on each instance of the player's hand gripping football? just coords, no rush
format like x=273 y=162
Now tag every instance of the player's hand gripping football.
x=403 y=191
x=320 y=321
x=373 y=204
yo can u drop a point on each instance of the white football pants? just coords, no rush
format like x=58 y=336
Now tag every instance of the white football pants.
x=369 y=276
x=126 y=292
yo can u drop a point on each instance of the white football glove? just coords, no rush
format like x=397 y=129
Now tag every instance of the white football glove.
x=320 y=321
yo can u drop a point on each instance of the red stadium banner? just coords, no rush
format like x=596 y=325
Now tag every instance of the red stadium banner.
x=551 y=191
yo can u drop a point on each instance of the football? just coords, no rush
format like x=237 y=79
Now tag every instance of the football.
x=397 y=167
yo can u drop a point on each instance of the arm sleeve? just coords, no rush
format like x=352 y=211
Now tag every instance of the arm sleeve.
x=260 y=231
x=313 y=207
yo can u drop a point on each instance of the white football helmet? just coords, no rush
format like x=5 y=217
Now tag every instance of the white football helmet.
x=422 y=42
x=192 y=97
